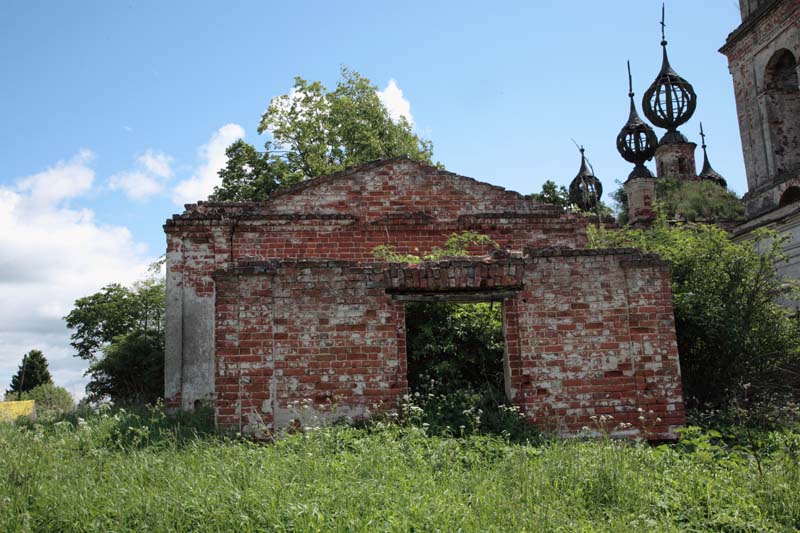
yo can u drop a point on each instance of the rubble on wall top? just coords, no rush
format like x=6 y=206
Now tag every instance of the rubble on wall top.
x=498 y=257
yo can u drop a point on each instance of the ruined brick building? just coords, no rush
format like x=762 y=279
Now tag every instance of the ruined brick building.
x=764 y=59
x=270 y=303
x=279 y=301
x=283 y=301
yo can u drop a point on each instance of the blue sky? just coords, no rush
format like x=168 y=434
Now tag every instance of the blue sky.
x=113 y=112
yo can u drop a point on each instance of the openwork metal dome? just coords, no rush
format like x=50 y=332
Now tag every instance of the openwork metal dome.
x=585 y=190
x=670 y=101
x=708 y=173
x=636 y=142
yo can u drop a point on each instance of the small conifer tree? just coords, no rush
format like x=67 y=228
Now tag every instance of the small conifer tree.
x=32 y=372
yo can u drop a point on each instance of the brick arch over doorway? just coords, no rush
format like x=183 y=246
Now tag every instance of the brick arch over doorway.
x=277 y=303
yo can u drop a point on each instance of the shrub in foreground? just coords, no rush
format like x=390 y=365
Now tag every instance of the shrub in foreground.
x=50 y=399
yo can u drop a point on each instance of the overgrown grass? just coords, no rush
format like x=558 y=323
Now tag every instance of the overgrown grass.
x=144 y=472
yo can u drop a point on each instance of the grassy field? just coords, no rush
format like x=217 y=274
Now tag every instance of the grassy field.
x=126 y=472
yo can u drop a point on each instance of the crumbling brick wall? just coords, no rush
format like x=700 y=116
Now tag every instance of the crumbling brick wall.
x=270 y=304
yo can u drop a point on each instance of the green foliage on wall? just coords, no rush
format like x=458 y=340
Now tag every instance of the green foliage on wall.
x=699 y=201
x=687 y=200
x=730 y=329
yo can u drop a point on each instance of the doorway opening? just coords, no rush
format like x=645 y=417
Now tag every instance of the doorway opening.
x=456 y=357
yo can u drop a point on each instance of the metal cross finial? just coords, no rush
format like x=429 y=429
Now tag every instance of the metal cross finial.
x=630 y=80
x=702 y=136
x=663 y=25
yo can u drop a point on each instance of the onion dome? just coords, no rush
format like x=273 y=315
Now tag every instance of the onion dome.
x=636 y=142
x=670 y=101
x=585 y=190
x=709 y=173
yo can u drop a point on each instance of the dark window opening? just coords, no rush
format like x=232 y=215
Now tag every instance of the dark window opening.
x=781 y=74
x=790 y=196
x=683 y=165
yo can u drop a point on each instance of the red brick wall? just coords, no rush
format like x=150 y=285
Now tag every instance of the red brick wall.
x=325 y=332
x=587 y=335
x=596 y=337
x=301 y=311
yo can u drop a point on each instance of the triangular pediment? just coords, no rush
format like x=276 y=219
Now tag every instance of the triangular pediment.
x=395 y=186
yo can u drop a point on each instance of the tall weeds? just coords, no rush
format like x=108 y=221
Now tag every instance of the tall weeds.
x=144 y=471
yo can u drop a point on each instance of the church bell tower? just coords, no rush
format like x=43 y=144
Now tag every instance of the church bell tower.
x=763 y=54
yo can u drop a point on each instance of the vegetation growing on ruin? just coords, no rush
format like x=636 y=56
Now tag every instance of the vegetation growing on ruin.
x=698 y=201
x=731 y=332
x=455 y=354
x=688 y=200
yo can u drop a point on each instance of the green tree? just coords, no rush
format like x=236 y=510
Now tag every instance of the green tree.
x=730 y=329
x=620 y=200
x=97 y=319
x=249 y=174
x=458 y=345
x=558 y=195
x=32 y=372
x=131 y=370
x=316 y=131
x=50 y=399
x=120 y=330
x=552 y=194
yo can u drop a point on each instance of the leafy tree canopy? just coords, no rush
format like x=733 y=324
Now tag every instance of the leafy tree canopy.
x=316 y=131
x=730 y=330
x=99 y=318
x=32 y=372
x=552 y=194
x=558 y=195
x=131 y=370
x=120 y=330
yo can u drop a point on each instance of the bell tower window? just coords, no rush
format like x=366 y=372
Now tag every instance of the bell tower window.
x=782 y=94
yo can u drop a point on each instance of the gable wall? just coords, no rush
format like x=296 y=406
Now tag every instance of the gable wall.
x=317 y=321
x=399 y=187
x=404 y=204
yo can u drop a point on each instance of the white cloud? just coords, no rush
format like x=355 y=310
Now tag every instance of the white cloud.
x=392 y=98
x=61 y=182
x=53 y=254
x=136 y=185
x=205 y=176
x=156 y=163
x=148 y=180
